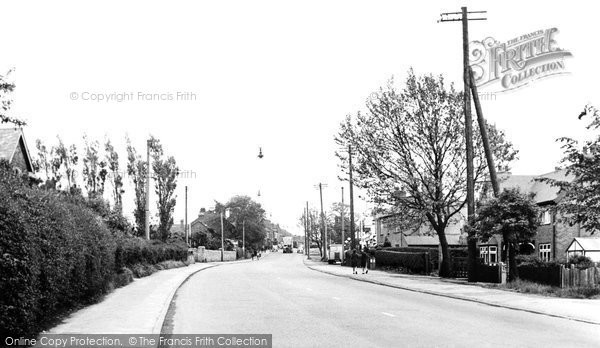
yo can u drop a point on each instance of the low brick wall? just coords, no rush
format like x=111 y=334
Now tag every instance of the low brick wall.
x=215 y=256
x=199 y=254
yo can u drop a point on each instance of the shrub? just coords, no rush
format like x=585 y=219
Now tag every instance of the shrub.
x=134 y=250
x=543 y=273
x=487 y=273
x=434 y=255
x=412 y=262
x=581 y=262
x=56 y=254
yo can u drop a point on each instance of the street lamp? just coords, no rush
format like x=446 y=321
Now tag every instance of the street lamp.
x=222 y=233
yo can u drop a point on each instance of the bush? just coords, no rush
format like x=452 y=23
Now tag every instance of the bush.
x=487 y=273
x=542 y=273
x=56 y=254
x=434 y=255
x=411 y=262
x=581 y=262
x=133 y=250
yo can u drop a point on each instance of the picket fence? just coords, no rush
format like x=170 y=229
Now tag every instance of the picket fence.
x=573 y=277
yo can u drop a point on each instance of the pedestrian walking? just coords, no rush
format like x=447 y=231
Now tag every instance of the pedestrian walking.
x=363 y=260
x=254 y=255
x=354 y=261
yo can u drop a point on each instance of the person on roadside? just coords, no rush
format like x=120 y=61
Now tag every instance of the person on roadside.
x=254 y=255
x=354 y=261
x=363 y=260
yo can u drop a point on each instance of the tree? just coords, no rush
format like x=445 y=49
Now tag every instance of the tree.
x=7 y=87
x=66 y=158
x=248 y=215
x=137 y=171
x=314 y=228
x=513 y=215
x=116 y=179
x=413 y=141
x=164 y=174
x=94 y=169
x=580 y=197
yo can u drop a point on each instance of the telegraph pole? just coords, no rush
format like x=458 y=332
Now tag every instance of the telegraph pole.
x=342 y=216
x=186 y=221
x=352 y=241
x=244 y=237
x=323 y=225
x=147 y=219
x=222 y=238
x=472 y=243
x=308 y=241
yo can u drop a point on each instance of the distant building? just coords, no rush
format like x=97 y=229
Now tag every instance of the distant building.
x=389 y=226
x=14 y=149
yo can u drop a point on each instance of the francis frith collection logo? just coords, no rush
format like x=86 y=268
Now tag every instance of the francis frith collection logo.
x=517 y=62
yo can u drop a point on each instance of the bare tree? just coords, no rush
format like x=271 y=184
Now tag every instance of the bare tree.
x=413 y=141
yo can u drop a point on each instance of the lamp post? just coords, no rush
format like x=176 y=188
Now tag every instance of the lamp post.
x=222 y=233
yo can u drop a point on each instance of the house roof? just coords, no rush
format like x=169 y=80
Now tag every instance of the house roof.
x=528 y=184
x=587 y=244
x=9 y=143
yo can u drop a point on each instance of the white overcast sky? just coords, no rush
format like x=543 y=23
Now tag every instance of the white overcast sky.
x=277 y=74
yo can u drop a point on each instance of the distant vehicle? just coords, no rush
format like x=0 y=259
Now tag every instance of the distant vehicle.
x=287 y=245
x=335 y=253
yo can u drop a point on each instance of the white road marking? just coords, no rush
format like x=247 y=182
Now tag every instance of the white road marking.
x=388 y=314
x=336 y=298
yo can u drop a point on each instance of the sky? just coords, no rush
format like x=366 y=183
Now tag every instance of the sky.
x=280 y=75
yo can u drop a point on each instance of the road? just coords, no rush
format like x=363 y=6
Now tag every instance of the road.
x=278 y=295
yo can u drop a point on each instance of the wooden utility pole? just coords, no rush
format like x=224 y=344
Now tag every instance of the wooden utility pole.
x=308 y=227
x=484 y=136
x=147 y=219
x=472 y=243
x=186 y=221
x=323 y=225
x=352 y=239
x=342 y=222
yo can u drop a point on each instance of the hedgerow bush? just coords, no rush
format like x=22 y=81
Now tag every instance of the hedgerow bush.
x=411 y=262
x=434 y=255
x=133 y=250
x=57 y=253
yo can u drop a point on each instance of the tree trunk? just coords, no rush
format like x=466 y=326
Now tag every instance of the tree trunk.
x=445 y=266
x=472 y=256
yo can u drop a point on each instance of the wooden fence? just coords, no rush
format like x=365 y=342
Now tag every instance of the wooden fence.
x=571 y=277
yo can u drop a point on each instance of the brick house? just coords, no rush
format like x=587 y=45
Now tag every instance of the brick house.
x=14 y=149
x=390 y=226
x=552 y=237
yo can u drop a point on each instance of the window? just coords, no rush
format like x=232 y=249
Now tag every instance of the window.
x=545 y=251
x=493 y=252
x=488 y=254
x=483 y=254
x=545 y=218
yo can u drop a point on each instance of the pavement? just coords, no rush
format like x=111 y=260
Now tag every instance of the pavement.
x=583 y=310
x=139 y=307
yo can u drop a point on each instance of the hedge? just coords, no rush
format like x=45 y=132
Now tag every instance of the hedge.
x=487 y=273
x=131 y=251
x=57 y=254
x=548 y=274
x=412 y=262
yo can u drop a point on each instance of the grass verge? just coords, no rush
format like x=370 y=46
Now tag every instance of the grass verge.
x=528 y=287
